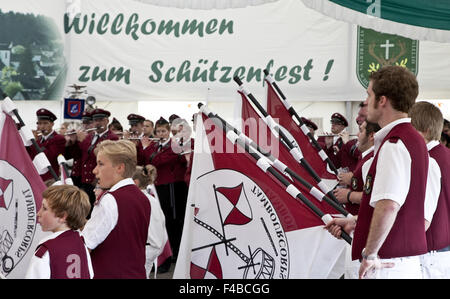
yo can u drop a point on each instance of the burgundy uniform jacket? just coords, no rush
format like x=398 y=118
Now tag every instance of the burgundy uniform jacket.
x=52 y=147
x=122 y=253
x=84 y=151
x=68 y=257
x=438 y=234
x=170 y=166
x=407 y=235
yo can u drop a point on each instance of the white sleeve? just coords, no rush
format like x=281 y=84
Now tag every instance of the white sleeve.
x=433 y=189
x=393 y=173
x=103 y=219
x=157 y=235
x=39 y=268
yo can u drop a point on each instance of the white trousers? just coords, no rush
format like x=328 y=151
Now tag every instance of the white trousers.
x=404 y=268
x=436 y=265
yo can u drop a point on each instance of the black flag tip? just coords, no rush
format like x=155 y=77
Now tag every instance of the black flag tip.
x=266 y=72
x=237 y=80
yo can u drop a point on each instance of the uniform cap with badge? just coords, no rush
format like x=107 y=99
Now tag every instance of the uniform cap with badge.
x=44 y=114
x=100 y=113
x=339 y=119
x=134 y=119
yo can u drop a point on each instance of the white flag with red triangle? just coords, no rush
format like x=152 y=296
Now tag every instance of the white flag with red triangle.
x=21 y=190
x=241 y=223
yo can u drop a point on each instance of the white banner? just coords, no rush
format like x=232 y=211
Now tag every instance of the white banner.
x=125 y=50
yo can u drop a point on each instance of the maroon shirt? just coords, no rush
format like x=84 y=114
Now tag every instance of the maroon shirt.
x=122 y=253
x=349 y=155
x=52 y=147
x=357 y=183
x=438 y=234
x=68 y=258
x=170 y=166
x=331 y=153
x=407 y=235
x=85 y=152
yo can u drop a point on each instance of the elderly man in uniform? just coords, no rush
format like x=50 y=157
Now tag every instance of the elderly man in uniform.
x=51 y=143
x=82 y=145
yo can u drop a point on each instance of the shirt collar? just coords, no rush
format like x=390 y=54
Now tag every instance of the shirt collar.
x=122 y=183
x=51 y=236
x=47 y=136
x=432 y=144
x=363 y=155
x=165 y=142
x=101 y=134
x=381 y=134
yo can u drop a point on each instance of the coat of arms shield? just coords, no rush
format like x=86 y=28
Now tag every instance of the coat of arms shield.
x=376 y=50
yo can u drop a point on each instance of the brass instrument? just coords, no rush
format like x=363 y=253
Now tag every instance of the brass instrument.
x=86 y=131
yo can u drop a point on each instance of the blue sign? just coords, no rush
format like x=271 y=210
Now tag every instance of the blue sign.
x=73 y=108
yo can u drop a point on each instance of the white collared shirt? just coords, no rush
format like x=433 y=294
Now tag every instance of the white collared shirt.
x=336 y=137
x=45 y=137
x=97 y=136
x=104 y=217
x=393 y=172
x=39 y=268
x=393 y=169
x=157 y=233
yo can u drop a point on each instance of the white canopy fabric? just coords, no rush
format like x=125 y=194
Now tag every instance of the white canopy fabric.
x=372 y=21
x=206 y=4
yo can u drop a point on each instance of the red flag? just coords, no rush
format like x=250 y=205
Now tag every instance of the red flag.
x=277 y=110
x=21 y=190
x=260 y=128
x=249 y=113
x=271 y=235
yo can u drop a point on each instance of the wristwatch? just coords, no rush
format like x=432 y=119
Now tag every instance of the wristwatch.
x=369 y=257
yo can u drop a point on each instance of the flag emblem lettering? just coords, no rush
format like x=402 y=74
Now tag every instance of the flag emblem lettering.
x=223 y=245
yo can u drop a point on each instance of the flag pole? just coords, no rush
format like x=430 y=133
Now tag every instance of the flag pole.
x=319 y=195
x=287 y=142
x=264 y=165
x=65 y=170
x=33 y=141
x=292 y=112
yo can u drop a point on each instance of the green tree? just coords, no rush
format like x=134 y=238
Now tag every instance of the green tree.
x=7 y=83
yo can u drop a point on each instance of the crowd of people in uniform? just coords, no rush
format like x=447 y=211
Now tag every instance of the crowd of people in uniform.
x=161 y=170
x=392 y=180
